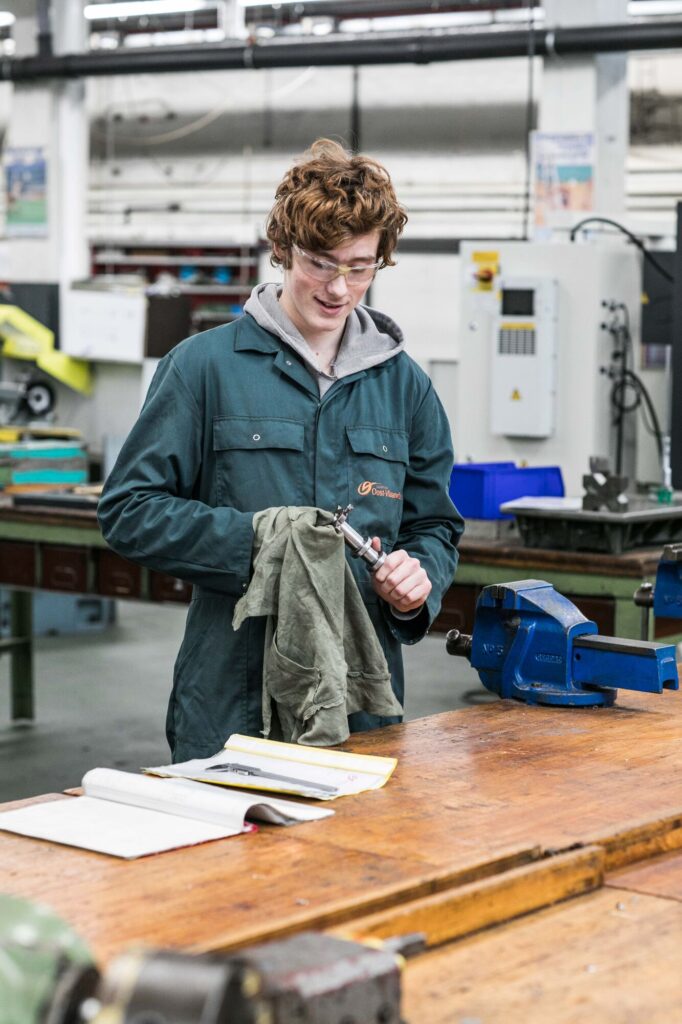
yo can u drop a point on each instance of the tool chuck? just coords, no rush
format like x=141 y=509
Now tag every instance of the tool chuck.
x=360 y=546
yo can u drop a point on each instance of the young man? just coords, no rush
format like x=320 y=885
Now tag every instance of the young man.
x=306 y=400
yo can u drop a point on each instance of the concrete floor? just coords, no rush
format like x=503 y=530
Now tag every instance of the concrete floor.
x=101 y=699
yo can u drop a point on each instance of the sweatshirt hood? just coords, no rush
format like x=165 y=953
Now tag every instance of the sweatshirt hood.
x=369 y=337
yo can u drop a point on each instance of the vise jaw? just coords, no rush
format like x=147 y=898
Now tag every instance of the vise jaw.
x=531 y=643
x=665 y=596
x=668 y=589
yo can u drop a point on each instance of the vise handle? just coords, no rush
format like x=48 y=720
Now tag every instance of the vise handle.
x=458 y=643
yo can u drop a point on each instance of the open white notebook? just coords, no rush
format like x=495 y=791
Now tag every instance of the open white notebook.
x=128 y=815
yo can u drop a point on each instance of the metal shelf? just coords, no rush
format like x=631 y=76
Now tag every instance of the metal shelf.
x=214 y=289
x=172 y=261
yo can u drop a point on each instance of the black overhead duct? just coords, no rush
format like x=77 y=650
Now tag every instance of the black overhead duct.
x=355 y=50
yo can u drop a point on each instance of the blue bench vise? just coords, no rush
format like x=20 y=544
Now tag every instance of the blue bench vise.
x=531 y=643
x=665 y=596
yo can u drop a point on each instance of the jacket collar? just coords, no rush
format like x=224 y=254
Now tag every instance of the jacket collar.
x=251 y=337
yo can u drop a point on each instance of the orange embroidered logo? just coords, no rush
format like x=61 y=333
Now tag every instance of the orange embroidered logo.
x=377 y=490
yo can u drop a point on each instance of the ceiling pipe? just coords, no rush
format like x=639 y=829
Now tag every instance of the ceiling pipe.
x=350 y=51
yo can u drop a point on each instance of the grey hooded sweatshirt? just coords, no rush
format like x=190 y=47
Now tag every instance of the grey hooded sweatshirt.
x=369 y=337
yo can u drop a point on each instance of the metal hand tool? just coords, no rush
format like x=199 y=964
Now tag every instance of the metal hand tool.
x=260 y=773
x=359 y=545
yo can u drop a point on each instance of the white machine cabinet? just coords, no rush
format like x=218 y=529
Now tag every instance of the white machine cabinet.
x=563 y=414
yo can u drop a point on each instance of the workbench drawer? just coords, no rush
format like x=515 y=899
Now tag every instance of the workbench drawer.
x=17 y=564
x=117 y=577
x=65 y=568
x=169 y=588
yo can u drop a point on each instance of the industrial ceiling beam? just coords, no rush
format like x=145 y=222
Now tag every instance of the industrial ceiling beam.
x=353 y=50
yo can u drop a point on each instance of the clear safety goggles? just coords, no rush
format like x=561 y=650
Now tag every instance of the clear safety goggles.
x=327 y=270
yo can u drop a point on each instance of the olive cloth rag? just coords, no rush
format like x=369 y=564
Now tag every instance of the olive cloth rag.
x=322 y=659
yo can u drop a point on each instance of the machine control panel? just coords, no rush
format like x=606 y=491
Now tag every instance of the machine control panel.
x=523 y=365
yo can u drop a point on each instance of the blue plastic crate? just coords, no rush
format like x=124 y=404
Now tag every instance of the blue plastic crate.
x=479 y=488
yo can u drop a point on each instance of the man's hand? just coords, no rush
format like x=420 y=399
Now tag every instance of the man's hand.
x=401 y=581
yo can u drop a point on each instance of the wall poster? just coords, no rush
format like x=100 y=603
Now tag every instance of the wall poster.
x=26 y=192
x=563 y=175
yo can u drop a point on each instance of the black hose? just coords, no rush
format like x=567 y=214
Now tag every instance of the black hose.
x=633 y=238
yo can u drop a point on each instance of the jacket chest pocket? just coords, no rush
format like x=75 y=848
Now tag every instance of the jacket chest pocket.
x=260 y=462
x=377 y=464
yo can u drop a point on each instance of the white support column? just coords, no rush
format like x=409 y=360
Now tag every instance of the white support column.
x=231 y=17
x=51 y=115
x=72 y=146
x=590 y=94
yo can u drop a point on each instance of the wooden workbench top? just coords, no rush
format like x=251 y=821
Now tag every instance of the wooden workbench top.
x=612 y=957
x=639 y=562
x=475 y=792
x=52 y=515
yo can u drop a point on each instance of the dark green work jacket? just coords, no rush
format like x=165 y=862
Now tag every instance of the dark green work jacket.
x=233 y=423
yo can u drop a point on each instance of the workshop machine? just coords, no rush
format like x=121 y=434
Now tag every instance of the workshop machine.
x=531 y=643
x=665 y=595
x=536 y=358
x=48 y=977
x=32 y=396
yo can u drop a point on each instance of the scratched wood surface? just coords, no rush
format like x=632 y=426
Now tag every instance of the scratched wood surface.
x=513 y=774
x=475 y=791
x=612 y=957
x=661 y=876
x=459 y=911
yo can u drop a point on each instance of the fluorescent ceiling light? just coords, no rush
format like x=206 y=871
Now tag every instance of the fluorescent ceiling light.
x=6 y=19
x=179 y=38
x=140 y=8
x=652 y=8
x=635 y=7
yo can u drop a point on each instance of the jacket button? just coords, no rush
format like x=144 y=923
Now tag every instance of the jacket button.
x=384 y=448
x=256 y=437
x=288 y=362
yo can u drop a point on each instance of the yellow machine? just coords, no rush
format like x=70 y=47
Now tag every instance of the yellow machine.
x=23 y=337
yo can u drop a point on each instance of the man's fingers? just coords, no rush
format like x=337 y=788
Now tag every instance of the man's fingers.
x=391 y=565
x=404 y=576
x=414 y=599
x=401 y=581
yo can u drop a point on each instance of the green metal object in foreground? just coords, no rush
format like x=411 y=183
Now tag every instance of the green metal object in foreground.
x=37 y=948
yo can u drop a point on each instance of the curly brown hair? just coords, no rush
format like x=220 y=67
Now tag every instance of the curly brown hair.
x=329 y=196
